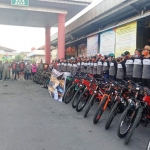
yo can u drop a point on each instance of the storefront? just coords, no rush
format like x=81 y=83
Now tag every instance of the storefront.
x=82 y=50
x=71 y=52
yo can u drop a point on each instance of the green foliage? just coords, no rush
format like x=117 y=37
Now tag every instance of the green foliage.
x=32 y=60
x=18 y=57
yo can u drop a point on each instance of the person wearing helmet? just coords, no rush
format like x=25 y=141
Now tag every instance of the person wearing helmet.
x=129 y=61
x=105 y=66
x=113 y=66
x=146 y=66
x=85 y=65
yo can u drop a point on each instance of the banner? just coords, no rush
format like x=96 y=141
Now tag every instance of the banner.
x=126 y=38
x=107 y=42
x=92 y=45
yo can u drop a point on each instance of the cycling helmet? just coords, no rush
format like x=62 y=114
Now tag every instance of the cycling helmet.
x=111 y=55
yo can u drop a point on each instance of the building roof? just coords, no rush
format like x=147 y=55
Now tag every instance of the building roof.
x=6 y=49
x=36 y=53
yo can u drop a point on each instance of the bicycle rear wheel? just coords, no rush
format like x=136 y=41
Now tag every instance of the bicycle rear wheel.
x=82 y=101
x=125 y=121
x=69 y=94
x=135 y=124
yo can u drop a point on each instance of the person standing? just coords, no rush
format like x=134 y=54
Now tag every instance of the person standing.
x=17 y=71
x=34 y=69
x=99 y=66
x=129 y=61
x=46 y=67
x=138 y=66
x=105 y=66
x=146 y=66
x=28 y=70
x=6 y=68
x=14 y=67
x=22 y=67
x=1 y=70
x=121 y=69
x=94 y=65
x=113 y=66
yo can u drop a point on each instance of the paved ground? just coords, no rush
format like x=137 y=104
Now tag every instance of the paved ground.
x=31 y=120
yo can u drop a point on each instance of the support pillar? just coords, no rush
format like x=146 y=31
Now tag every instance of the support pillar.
x=47 y=44
x=61 y=36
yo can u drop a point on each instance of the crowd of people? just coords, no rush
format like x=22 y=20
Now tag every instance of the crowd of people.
x=20 y=70
x=127 y=67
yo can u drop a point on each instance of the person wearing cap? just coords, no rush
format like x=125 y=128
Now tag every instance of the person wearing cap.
x=113 y=66
x=105 y=66
x=146 y=66
x=138 y=66
x=121 y=69
x=129 y=61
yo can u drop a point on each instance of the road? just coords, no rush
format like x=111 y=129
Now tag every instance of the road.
x=31 y=120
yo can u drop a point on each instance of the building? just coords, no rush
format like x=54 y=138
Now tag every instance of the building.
x=7 y=53
x=36 y=55
x=109 y=27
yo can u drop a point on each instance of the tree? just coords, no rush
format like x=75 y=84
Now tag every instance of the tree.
x=18 y=57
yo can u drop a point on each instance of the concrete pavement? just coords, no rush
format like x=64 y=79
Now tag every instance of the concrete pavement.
x=31 y=120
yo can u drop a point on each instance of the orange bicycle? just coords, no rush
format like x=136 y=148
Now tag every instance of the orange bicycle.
x=107 y=99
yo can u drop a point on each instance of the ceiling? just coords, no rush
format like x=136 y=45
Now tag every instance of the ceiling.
x=40 y=13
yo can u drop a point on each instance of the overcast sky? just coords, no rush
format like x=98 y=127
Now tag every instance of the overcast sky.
x=24 y=38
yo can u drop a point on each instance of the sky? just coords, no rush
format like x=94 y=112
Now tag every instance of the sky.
x=24 y=38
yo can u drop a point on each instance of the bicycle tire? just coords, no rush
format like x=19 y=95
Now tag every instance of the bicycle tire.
x=78 y=109
x=135 y=123
x=90 y=104
x=120 y=121
x=74 y=99
x=99 y=110
x=65 y=96
x=112 y=115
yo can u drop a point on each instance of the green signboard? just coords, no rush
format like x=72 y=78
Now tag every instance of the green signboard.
x=20 y=2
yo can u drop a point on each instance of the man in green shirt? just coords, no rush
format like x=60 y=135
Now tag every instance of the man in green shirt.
x=6 y=69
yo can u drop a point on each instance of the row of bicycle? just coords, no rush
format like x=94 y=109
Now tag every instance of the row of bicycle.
x=125 y=97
